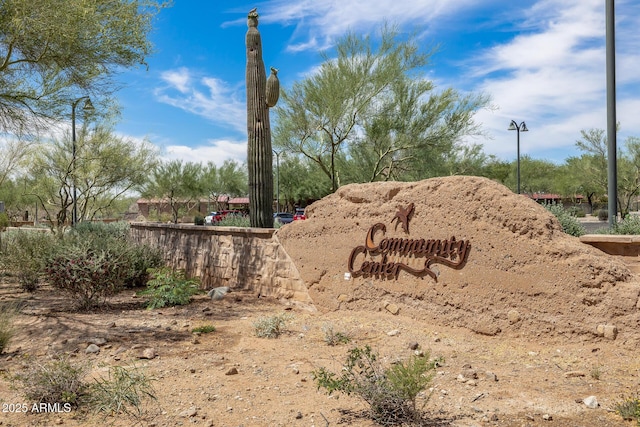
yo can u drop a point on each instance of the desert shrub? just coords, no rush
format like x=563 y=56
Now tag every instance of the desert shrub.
x=8 y=312
x=24 y=255
x=135 y=259
x=4 y=220
x=204 y=329
x=272 y=326
x=333 y=338
x=603 y=215
x=141 y=260
x=628 y=408
x=391 y=393
x=57 y=381
x=101 y=230
x=232 y=220
x=569 y=223
x=629 y=225
x=576 y=211
x=169 y=287
x=122 y=392
x=86 y=273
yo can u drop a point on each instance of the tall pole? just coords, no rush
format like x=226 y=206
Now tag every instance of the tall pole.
x=521 y=127
x=612 y=171
x=277 y=180
x=518 y=172
x=87 y=107
x=74 y=211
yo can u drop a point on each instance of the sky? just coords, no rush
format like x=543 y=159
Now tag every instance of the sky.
x=542 y=62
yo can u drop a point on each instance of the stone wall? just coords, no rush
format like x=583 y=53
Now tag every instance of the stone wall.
x=241 y=258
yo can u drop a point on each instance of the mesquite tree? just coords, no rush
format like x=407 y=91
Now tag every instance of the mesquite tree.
x=262 y=93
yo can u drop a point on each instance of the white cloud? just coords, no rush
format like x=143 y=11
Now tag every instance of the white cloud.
x=217 y=152
x=553 y=76
x=205 y=96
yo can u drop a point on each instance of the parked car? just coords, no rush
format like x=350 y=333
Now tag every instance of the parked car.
x=212 y=218
x=282 y=217
x=299 y=214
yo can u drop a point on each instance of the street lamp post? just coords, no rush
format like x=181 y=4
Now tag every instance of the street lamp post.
x=88 y=107
x=522 y=127
x=277 y=153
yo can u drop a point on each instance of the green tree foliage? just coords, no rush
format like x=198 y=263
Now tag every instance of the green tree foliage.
x=179 y=184
x=230 y=179
x=594 y=166
x=368 y=114
x=52 y=50
x=301 y=181
x=106 y=167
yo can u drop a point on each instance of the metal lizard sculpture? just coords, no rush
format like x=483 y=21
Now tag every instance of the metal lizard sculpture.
x=403 y=217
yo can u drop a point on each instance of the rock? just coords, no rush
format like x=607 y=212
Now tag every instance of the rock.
x=490 y=376
x=414 y=345
x=343 y=298
x=469 y=373
x=393 y=333
x=574 y=374
x=188 y=413
x=148 y=353
x=600 y=330
x=485 y=327
x=547 y=417
x=97 y=341
x=232 y=371
x=92 y=348
x=392 y=308
x=218 y=293
x=590 y=402
x=299 y=415
x=513 y=316
x=610 y=332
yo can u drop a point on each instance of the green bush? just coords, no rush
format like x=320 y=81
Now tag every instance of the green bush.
x=8 y=312
x=570 y=224
x=61 y=382
x=204 y=329
x=57 y=381
x=333 y=338
x=629 y=408
x=272 y=326
x=168 y=288
x=101 y=230
x=198 y=220
x=24 y=254
x=122 y=392
x=4 y=220
x=577 y=212
x=141 y=259
x=86 y=273
x=232 y=220
x=134 y=259
x=629 y=225
x=603 y=215
x=391 y=393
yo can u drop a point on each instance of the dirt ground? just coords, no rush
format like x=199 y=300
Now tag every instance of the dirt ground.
x=520 y=382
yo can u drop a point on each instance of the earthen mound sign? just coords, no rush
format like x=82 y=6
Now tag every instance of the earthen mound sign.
x=461 y=251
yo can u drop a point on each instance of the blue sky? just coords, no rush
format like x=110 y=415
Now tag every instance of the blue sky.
x=542 y=62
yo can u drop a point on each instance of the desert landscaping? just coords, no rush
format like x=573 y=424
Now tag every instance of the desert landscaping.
x=532 y=326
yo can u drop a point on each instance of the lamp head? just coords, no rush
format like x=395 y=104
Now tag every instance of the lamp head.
x=88 y=106
x=523 y=127
x=513 y=126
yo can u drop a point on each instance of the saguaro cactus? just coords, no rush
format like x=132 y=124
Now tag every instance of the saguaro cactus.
x=261 y=94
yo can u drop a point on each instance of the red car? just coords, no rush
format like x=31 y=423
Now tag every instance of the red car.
x=299 y=214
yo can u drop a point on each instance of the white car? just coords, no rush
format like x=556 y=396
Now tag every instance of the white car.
x=211 y=218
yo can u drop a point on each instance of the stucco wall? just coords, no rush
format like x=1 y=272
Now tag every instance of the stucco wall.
x=241 y=258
